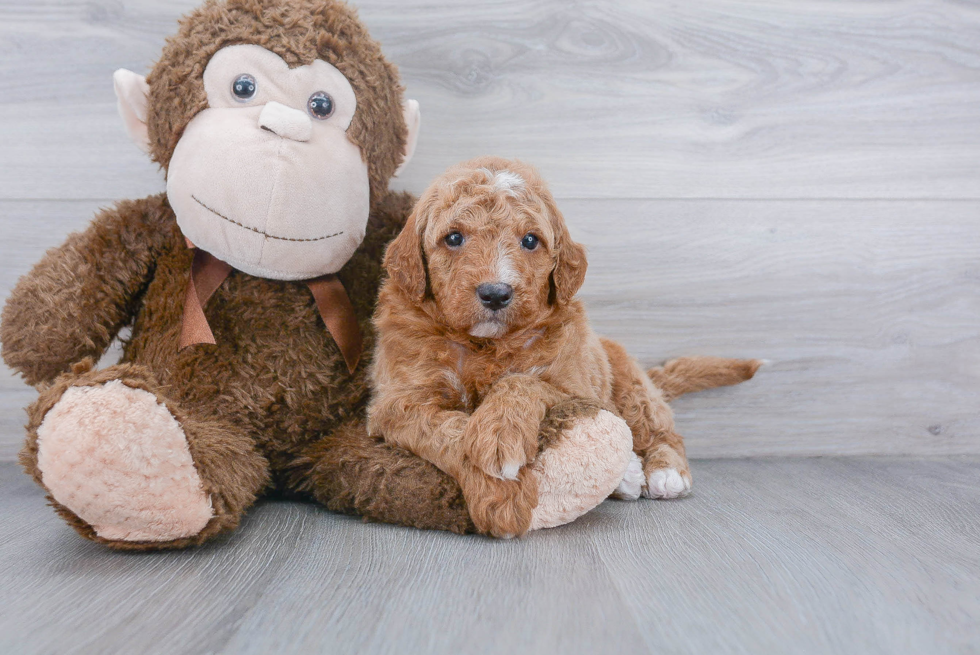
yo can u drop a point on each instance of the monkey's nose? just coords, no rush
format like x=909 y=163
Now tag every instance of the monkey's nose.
x=495 y=296
x=286 y=122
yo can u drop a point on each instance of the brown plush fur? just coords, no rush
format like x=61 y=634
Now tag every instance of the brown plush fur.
x=232 y=471
x=466 y=387
x=271 y=405
x=299 y=31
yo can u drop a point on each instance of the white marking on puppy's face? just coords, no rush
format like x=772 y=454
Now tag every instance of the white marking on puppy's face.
x=506 y=272
x=507 y=181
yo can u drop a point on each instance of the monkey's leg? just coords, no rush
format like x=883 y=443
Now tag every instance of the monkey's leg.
x=351 y=472
x=644 y=408
x=584 y=452
x=129 y=468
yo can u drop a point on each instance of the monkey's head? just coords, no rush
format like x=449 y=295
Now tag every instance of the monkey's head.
x=279 y=124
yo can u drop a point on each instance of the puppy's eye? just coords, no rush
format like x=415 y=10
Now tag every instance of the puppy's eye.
x=454 y=239
x=243 y=87
x=529 y=242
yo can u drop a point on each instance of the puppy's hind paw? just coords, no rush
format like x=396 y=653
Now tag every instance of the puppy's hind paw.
x=632 y=483
x=667 y=483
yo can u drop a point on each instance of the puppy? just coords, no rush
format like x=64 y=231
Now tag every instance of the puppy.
x=479 y=334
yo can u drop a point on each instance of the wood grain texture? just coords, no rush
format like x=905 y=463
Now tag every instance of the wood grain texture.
x=768 y=556
x=722 y=98
x=869 y=311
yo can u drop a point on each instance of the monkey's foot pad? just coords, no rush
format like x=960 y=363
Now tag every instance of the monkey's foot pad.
x=117 y=458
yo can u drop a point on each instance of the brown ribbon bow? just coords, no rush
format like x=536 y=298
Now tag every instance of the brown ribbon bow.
x=332 y=301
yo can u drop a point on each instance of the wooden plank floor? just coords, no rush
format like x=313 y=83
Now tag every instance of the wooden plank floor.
x=768 y=556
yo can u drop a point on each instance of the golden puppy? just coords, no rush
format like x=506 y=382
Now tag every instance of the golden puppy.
x=479 y=334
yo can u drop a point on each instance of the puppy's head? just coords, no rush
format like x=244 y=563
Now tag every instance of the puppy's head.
x=487 y=244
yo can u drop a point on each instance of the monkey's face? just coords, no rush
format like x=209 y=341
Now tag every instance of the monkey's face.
x=265 y=177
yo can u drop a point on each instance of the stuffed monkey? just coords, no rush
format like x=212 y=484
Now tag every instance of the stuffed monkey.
x=249 y=287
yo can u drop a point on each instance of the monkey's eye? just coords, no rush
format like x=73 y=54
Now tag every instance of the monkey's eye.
x=529 y=242
x=243 y=87
x=320 y=105
x=454 y=239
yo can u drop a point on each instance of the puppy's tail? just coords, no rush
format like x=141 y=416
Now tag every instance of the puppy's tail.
x=689 y=374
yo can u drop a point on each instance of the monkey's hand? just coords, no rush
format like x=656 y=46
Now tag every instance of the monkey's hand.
x=77 y=298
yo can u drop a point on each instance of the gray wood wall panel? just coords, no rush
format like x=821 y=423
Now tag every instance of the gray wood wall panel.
x=722 y=98
x=794 y=181
x=869 y=311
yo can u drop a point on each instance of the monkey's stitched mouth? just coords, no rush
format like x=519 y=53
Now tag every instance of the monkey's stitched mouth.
x=258 y=231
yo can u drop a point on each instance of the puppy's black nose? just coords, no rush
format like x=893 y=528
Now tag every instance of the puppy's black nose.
x=495 y=296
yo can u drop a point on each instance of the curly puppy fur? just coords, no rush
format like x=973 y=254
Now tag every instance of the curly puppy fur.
x=465 y=384
x=270 y=406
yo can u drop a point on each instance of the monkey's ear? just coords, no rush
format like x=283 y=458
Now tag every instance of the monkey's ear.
x=132 y=95
x=413 y=120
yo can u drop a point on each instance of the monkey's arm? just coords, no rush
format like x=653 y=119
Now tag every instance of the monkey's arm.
x=77 y=298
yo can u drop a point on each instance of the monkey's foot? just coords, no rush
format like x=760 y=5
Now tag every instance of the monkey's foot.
x=118 y=459
x=581 y=468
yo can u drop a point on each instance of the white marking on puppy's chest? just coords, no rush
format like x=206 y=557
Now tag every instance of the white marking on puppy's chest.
x=533 y=339
x=455 y=378
x=457 y=384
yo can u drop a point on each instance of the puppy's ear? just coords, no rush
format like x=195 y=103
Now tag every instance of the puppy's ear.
x=405 y=259
x=570 y=260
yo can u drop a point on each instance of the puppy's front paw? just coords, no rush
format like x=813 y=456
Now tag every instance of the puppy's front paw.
x=500 y=508
x=498 y=444
x=633 y=481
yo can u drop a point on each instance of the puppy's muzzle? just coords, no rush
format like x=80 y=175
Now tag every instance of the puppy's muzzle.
x=495 y=296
